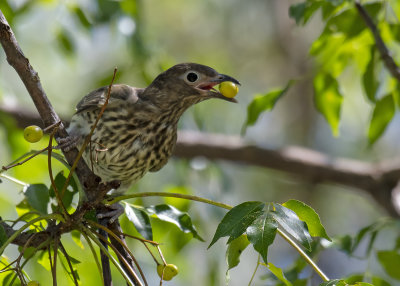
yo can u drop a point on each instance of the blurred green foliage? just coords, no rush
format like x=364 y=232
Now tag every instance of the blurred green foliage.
x=75 y=45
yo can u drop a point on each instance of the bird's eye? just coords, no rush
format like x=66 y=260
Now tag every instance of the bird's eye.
x=192 y=77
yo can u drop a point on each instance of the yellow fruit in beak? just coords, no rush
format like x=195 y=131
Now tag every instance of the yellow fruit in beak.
x=228 y=89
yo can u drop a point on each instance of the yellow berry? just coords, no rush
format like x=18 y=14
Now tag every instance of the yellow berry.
x=33 y=283
x=228 y=89
x=33 y=133
x=170 y=271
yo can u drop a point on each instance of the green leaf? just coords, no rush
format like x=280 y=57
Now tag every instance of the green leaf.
x=3 y=235
x=180 y=219
x=59 y=181
x=43 y=259
x=76 y=237
x=334 y=282
x=377 y=281
x=38 y=197
x=278 y=273
x=354 y=278
x=344 y=243
x=302 y=12
x=348 y=21
x=369 y=79
x=235 y=249
x=328 y=99
x=264 y=102
x=65 y=41
x=397 y=245
x=293 y=225
x=140 y=220
x=28 y=252
x=309 y=216
x=390 y=261
x=78 y=12
x=382 y=115
x=296 y=11
x=396 y=96
x=8 y=278
x=372 y=230
x=236 y=221
x=261 y=233
x=66 y=267
x=91 y=215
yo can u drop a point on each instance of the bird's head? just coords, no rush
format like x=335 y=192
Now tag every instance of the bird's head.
x=187 y=84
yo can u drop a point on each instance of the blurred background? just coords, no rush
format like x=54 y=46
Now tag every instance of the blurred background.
x=75 y=45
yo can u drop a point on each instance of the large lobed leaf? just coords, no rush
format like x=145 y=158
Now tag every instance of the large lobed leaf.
x=261 y=233
x=309 y=216
x=140 y=220
x=38 y=197
x=292 y=225
x=237 y=220
x=390 y=261
x=180 y=219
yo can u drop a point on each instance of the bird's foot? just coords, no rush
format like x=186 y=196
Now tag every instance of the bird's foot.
x=68 y=143
x=113 y=212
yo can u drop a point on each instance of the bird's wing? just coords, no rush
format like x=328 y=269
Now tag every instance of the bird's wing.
x=120 y=93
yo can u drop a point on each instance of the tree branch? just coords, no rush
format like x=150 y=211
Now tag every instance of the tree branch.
x=31 y=80
x=91 y=183
x=383 y=50
x=377 y=179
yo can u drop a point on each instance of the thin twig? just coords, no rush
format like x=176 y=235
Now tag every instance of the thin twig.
x=303 y=254
x=5 y=168
x=171 y=195
x=109 y=232
x=105 y=262
x=120 y=257
x=139 y=238
x=53 y=184
x=96 y=259
x=54 y=268
x=161 y=255
x=12 y=179
x=151 y=253
x=382 y=48
x=255 y=270
x=28 y=224
x=105 y=251
x=69 y=263
x=88 y=137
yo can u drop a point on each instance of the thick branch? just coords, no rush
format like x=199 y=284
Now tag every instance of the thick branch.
x=377 y=179
x=28 y=75
x=30 y=78
x=383 y=50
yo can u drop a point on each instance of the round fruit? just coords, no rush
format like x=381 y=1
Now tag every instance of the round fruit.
x=170 y=271
x=228 y=89
x=33 y=133
x=33 y=283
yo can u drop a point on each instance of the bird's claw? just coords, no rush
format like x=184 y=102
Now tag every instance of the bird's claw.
x=113 y=212
x=68 y=143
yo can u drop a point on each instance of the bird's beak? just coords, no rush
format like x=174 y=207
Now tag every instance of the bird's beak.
x=211 y=92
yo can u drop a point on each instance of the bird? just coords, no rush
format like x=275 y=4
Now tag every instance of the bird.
x=137 y=132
